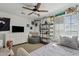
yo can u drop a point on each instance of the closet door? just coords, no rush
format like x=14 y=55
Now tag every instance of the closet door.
x=2 y=40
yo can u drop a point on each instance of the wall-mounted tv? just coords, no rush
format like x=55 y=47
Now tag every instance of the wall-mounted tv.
x=4 y=24
x=17 y=29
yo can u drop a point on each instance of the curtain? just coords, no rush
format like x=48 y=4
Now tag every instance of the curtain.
x=66 y=25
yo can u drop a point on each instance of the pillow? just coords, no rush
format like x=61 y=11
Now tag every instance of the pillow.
x=69 y=42
x=34 y=33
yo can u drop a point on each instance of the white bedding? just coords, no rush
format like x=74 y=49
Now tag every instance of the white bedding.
x=54 y=50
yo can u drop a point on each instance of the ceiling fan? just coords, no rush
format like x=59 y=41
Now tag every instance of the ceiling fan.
x=35 y=9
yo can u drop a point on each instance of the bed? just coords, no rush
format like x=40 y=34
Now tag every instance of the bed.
x=52 y=49
x=67 y=46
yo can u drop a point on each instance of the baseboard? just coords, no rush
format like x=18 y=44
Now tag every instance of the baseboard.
x=20 y=44
x=17 y=44
x=3 y=46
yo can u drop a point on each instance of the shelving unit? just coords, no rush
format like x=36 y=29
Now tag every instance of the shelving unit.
x=46 y=31
x=52 y=28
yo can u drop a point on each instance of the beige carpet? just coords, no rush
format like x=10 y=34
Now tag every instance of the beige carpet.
x=28 y=47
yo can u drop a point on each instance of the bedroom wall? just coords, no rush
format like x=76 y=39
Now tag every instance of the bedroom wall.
x=17 y=21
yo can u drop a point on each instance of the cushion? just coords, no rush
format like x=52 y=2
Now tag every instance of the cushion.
x=69 y=42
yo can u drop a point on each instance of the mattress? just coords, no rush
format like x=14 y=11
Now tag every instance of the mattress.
x=52 y=49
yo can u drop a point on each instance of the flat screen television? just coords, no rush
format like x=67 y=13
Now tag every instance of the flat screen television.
x=17 y=29
x=4 y=24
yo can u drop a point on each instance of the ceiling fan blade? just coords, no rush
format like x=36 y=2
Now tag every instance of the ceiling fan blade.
x=30 y=13
x=42 y=10
x=27 y=8
x=38 y=5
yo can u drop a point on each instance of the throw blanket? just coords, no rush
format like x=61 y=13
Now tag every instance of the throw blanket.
x=53 y=49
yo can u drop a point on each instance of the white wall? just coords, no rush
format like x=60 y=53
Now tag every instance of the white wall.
x=17 y=21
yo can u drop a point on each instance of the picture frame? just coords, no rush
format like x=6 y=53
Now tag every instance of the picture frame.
x=36 y=24
x=27 y=25
x=31 y=28
x=32 y=22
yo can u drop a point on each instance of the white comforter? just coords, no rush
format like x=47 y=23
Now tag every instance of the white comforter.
x=54 y=50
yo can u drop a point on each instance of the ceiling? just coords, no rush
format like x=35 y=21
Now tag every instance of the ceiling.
x=16 y=8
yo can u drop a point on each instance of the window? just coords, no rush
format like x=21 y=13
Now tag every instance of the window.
x=71 y=24
x=59 y=27
x=67 y=25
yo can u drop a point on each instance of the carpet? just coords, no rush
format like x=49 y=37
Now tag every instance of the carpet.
x=28 y=47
